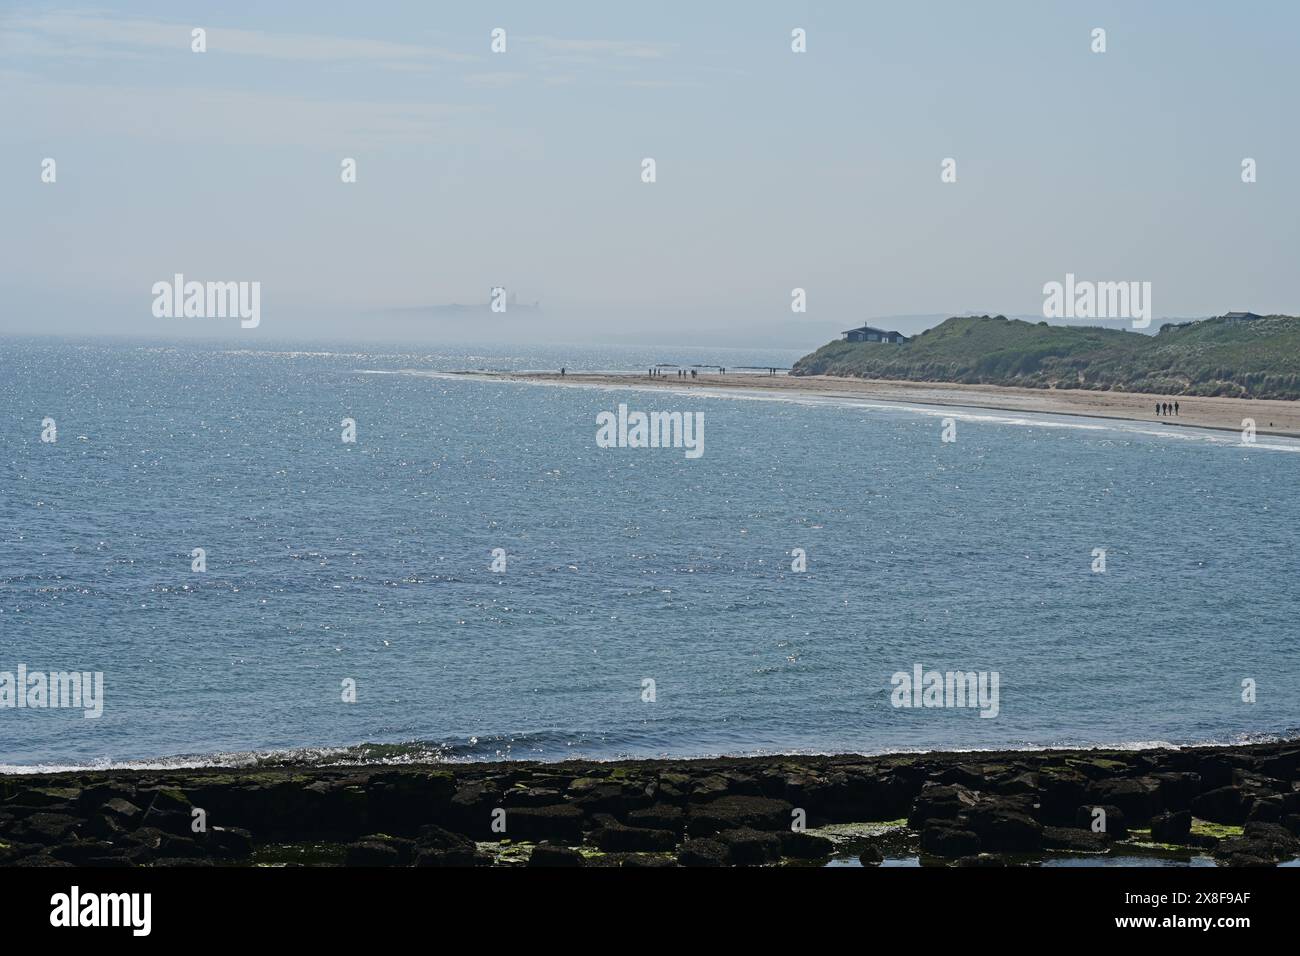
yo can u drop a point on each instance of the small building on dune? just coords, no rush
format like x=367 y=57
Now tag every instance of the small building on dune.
x=866 y=333
x=1235 y=317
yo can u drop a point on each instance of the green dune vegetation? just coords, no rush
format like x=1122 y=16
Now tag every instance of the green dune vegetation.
x=1255 y=358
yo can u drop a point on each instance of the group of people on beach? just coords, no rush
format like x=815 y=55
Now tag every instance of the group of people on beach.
x=681 y=372
x=1166 y=408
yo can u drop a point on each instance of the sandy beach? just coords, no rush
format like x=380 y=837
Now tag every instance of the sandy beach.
x=1270 y=417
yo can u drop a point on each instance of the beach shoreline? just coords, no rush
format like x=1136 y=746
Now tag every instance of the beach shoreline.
x=1272 y=417
x=1238 y=805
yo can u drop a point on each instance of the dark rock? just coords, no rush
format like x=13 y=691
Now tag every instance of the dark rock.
x=178 y=824
x=805 y=846
x=96 y=795
x=647 y=861
x=438 y=847
x=471 y=808
x=964 y=775
x=103 y=827
x=701 y=852
x=179 y=847
x=531 y=797
x=617 y=838
x=1173 y=827
x=1268 y=809
x=1224 y=805
x=731 y=813
x=1100 y=765
x=1251 y=851
x=673 y=787
x=232 y=842
x=43 y=860
x=1020 y=783
x=148 y=838
x=122 y=811
x=165 y=800
x=615 y=797
x=562 y=822
x=1279 y=837
x=1060 y=792
x=1177 y=790
x=371 y=853
x=1138 y=799
x=1215 y=771
x=1002 y=827
x=1283 y=766
x=183 y=862
x=82 y=851
x=546 y=855
x=660 y=816
x=47 y=798
x=944 y=839
x=709 y=788
x=1075 y=840
x=45 y=828
x=748 y=847
x=399 y=802
x=856 y=794
x=870 y=856
x=940 y=802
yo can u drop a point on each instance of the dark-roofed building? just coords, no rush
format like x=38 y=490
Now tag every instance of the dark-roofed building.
x=1235 y=317
x=866 y=333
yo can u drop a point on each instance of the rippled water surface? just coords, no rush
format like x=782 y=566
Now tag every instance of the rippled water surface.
x=371 y=562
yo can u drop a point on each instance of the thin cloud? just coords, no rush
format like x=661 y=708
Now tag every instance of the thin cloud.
x=231 y=116
x=588 y=50
x=92 y=35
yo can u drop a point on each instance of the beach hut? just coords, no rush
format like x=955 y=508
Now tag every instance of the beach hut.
x=867 y=333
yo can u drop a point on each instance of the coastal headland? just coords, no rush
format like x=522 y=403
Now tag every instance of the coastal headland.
x=1237 y=805
x=1271 y=416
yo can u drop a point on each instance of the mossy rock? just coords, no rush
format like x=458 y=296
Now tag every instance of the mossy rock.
x=1221 y=831
x=300 y=854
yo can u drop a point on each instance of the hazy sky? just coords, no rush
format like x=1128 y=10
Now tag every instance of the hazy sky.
x=774 y=169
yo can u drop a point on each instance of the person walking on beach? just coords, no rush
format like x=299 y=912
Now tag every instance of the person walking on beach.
x=1175 y=408
x=1157 y=409
x=561 y=372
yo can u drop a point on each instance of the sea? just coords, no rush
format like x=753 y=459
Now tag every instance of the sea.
x=475 y=578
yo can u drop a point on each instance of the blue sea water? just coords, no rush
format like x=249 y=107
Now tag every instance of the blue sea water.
x=372 y=561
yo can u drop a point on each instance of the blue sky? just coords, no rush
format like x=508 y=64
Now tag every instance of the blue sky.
x=775 y=170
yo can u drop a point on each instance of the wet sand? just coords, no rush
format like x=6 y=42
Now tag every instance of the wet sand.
x=1271 y=417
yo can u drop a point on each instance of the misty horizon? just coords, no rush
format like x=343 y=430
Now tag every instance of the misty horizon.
x=522 y=169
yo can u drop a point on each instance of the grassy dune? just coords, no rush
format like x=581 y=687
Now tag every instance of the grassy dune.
x=1259 y=359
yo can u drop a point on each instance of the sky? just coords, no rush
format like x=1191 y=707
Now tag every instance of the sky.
x=775 y=170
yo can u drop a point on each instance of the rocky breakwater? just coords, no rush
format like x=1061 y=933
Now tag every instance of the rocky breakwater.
x=1239 y=804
